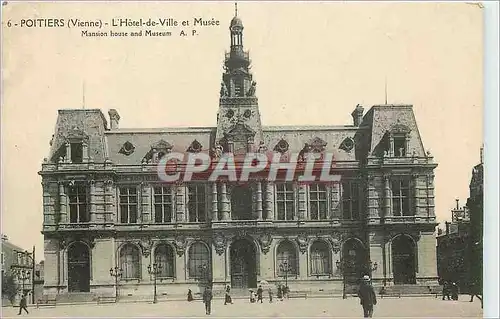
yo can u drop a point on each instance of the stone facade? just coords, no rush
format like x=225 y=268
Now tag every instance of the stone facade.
x=105 y=207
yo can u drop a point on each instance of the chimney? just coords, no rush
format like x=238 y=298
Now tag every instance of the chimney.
x=456 y=200
x=114 y=119
x=357 y=115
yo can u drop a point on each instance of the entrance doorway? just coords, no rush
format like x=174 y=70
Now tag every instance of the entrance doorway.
x=241 y=203
x=78 y=268
x=354 y=262
x=403 y=260
x=243 y=264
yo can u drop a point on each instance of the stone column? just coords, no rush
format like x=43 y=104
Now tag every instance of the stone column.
x=68 y=153
x=218 y=268
x=224 y=202
x=180 y=206
x=407 y=145
x=391 y=146
x=372 y=197
x=259 y=200
x=302 y=211
x=92 y=201
x=215 y=212
x=335 y=212
x=63 y=204
x=415 y=194
x=85 y=151
x=376 y=256
x=269 y=200
x=108 y=201
x=387 y=196
x=145 y=202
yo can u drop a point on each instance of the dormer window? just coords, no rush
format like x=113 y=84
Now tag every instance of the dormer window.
x=76 y=152
x=157 y=152
x=400 y=146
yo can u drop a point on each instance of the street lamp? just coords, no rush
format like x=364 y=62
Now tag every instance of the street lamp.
x=154 y=271
x=117 y=273
x=285 y=268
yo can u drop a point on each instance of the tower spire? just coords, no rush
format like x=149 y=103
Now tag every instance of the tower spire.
x=235 y=9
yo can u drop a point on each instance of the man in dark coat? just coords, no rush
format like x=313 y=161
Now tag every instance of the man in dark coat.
x=446 y=290
x=367 y=296
x=23 y=304
x=260 y=291
x=207 y=300
x=475 y=291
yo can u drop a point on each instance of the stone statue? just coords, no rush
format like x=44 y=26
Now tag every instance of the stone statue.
x=223 y=89
x=262 y=147
x=251 y=91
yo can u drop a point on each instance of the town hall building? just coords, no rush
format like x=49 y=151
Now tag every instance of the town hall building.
x=105 y=208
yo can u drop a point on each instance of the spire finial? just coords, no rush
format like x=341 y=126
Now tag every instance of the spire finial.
x=386 y=90
x=235 y=9
x=83 y=95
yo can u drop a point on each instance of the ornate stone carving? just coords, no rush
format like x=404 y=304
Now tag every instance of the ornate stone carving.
x=127 y=148
x=220 y=243
x=303 y=241
x=180 y=245
x=282 y=146
x=265 y=241
x=262 y=147
x=253 y=88
x=317 y=145
x=223 y=90
x=195 y=147
x=347 y=144
x=146 y=246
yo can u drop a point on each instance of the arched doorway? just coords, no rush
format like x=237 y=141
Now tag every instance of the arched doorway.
x=243 y=264
x=355 y=261
x=78 y=268
x=403 y=260
x=241 y=203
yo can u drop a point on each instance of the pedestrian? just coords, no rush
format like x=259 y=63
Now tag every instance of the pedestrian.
x=367 y=296
x=286 y=291
x=260 y=291
x=23 y=305
x=270 y=291
x=454 y=291
x=207 y=300
x=190 y=295
x=252 y=296
x=228 y=298
x=446 y=290
x=474 y=292
x=280 y=293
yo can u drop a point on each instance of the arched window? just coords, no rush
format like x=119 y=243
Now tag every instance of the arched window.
x=164 y=256
x=199 y=261
x=286 y=259
x=130 y=262
x=320 y=258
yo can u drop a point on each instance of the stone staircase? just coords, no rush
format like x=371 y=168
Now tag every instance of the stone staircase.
x=76 y=298
x=408 y=290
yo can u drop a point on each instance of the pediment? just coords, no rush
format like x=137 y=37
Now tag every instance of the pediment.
x=240 y=129
x=317 y=145
x=162 y=145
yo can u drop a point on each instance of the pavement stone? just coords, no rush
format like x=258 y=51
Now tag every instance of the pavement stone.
x=406 y=307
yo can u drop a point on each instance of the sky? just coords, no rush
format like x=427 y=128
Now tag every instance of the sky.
x=313 y=63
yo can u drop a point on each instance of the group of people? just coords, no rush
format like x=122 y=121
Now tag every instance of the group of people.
x=450 y=290
x=259 y=295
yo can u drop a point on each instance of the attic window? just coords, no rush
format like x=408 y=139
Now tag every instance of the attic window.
x=195 y=147
x=77 y=152
x=399 y=146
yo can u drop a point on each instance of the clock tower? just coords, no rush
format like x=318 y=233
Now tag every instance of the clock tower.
x=238 y=121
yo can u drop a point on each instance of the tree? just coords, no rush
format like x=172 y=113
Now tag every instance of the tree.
x=9 y=287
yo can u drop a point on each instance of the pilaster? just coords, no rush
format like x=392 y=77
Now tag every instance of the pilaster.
x=215 y=214
x=387 y=196
x=92 y=202
x=108 y=201
x=145 y=196
x=269 y=200
x=335 y=212
x=259 y=200
x=180 y=200
x=224 y=202
x=302 y=202
x=63 y=204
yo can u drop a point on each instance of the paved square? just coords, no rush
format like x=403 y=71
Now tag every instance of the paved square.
x=407 y=307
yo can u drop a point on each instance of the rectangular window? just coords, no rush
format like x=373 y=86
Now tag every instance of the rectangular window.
x=128 y=205
x=163 y=204
x=285 y=201
x=399 y=146
x=77 y=195
x=351 y=203
x=197 y=203
x=318 y=207
x=401 y=198
x=76 y=152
